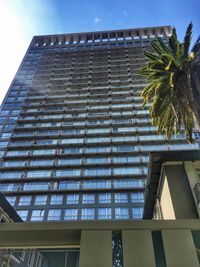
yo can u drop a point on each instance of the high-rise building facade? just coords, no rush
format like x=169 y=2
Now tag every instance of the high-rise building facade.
x=75 y=138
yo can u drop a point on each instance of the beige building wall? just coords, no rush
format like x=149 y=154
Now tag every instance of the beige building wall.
x=138 y=248
x=179 y=248
x=166 y=204
x=175 y=193
x=96 y=248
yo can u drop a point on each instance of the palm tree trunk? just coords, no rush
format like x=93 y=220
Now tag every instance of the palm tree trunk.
x=195 y=103
x=194 y=98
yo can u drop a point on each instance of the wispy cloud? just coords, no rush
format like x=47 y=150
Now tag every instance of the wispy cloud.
x=97 y=20
x=125 y=13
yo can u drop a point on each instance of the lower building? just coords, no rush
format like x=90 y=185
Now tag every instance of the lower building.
x=169 y=235
x=147 y=243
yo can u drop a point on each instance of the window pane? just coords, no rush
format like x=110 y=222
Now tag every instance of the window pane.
x=25 y=201
x=72 y=199
x=11 y=200
x=87 y=214
x=121 y=198
x=56 y=199
x=40 y=200
x=23 y=214
x=137 y=197
x=54 y=215
x=105 y=198
x=104 y=213
x=88 y=198
x=37 y=215
x=121 y=213
x=71 y=214
x=36 y=186
x=137 y=212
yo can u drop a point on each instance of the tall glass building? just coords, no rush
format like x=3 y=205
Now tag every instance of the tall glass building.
x=75 y=138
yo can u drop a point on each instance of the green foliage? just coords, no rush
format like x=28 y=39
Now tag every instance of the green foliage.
x=170 y=71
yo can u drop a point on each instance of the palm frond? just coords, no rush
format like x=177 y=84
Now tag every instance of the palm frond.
x=196 y=46
x=151 y=56
x=173 y=42
x=165 y=48
x=157 y=47
x=187 y=39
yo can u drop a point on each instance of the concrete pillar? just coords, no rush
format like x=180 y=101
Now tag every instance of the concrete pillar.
x=96 y=248
x=179 y=248
x=138 y=248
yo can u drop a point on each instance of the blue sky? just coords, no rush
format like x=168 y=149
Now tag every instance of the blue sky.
x=21 y=19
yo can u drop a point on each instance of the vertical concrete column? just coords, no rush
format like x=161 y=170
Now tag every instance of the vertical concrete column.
x=179 y=248
x=96 y=248
x=138 y=248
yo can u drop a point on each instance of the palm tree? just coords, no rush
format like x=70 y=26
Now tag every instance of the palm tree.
x=173 y=76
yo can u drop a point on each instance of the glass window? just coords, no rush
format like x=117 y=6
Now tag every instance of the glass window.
x=104 y=213
x=100 y=149
x=5 y=135
x=41 y=162
x=71 y=150
x=71 y=214
x=72 y=141
x=128 y=183
x=96 y=184
x=11 y=200
x=87 y=214
x=23 y=214
x=72 y=199
x=126 y=159
x=25 y=201
x=36 y=186
x=123 y=148
x=10 y=175
x=33 y=174
x=137 y=197
x=56 y=199
x=99 y=130
x=69 y=185
x=127 y=170
x=9 y=187
x=137 y=212
x=104 y=198
x=37 y=215
x=70 y=172
x=14 y=163
x=97 y=172
x=46 y=142
x=69 y=161
x=121 y=213
x=54 y=215
x=98 y=140
x=121 y=198
x=97 y=160
x=88 y=198
x=40 y=200
x=44 y=152
x=18 y=153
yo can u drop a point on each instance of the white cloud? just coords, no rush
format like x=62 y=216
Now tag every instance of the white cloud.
x=97 y=20
x=125 y=13
x=12 y=46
